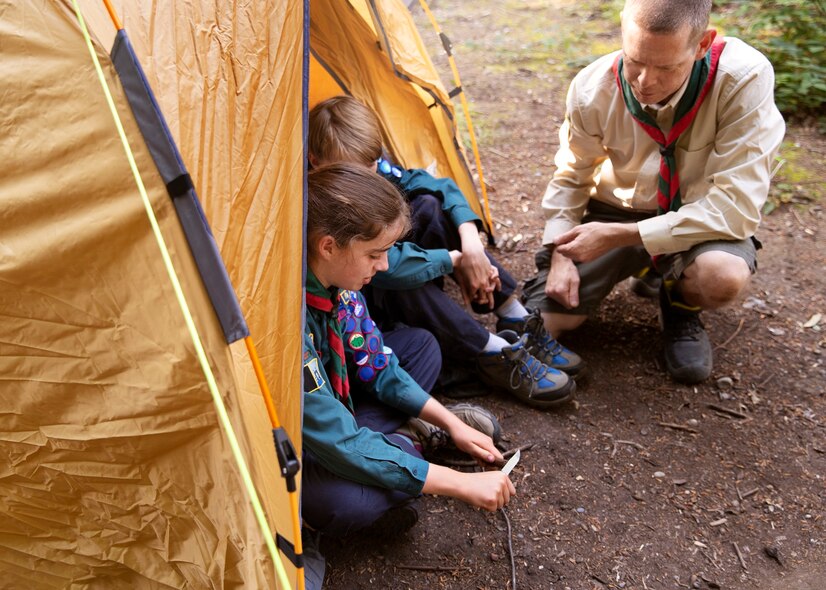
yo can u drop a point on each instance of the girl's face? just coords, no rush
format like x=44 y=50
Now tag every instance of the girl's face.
x=353 y=266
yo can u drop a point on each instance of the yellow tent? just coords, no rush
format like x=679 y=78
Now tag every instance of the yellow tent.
x=117 y=469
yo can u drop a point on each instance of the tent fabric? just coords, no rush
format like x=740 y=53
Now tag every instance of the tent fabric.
x=382 y=61
x=179 y=185
x=116 y=473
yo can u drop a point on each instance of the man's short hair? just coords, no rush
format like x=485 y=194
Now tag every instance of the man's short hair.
x=342 y=129
x=669 y=16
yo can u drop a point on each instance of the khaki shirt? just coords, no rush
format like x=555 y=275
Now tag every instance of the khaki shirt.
x=724 y=158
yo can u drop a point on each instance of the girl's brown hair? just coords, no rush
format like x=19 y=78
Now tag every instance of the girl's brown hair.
x=342 y=129
x=349 y=202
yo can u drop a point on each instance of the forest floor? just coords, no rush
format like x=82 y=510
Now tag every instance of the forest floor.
x=642 y=483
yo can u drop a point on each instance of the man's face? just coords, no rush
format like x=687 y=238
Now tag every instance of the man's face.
x=657 y=64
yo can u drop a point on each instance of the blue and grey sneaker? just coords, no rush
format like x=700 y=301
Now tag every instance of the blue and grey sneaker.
x=542 y=345
x=516 y=370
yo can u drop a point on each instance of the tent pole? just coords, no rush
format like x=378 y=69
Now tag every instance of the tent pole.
x=289 y=464
x=113 y=15
x=465 y=108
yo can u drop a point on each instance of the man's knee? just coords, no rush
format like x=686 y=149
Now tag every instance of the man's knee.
x=715 y=279
x=557 y=323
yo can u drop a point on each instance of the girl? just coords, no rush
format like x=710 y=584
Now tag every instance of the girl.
x=356 y=466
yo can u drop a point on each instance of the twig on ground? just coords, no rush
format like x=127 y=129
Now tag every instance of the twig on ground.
x=432 y=568
x=749 y=493
x=615 y=442
x=728 y=411
x=473 y=463
x=679 y=427
x=510 y=453
x=733 y=336
x=740 y=557
x=510 y=548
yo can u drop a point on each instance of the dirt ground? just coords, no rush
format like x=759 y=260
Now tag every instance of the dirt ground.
x=643 y=482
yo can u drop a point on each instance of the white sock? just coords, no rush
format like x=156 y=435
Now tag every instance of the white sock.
x=495 y=343
x=511 y=309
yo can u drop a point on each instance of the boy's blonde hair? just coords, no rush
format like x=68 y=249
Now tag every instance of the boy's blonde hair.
x=344 y=130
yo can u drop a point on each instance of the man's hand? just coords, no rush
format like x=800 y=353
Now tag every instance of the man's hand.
x=589 y=241
x=562 y=284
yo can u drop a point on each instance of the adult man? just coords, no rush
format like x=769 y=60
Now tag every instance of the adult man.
x=664 y=161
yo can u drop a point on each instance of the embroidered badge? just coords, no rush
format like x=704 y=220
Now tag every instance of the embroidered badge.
x=356 y=341
x=373 y=343
x=366 y=373
x=380 y=361
x=313 y=377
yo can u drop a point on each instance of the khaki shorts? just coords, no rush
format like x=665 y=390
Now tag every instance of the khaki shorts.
x=598 y=277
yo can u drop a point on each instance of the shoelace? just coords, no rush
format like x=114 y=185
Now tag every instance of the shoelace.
x=527 y=366
x=546 y=342
x=436 y=439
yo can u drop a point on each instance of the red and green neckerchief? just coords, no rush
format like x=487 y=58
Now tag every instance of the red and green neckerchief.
x=326 y=300
x=699 y=83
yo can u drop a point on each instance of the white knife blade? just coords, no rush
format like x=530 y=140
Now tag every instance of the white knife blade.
x=512 y=462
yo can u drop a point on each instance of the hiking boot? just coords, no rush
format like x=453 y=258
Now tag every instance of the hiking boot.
x=541 y=344
x=647 y=285
x=687 y=348
x=516 y=370
x=431 y=438
x=478 y=418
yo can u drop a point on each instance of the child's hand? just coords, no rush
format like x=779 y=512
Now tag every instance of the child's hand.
x=474 y=274
x=490 y=490
x=476 y=444
x=487 y=489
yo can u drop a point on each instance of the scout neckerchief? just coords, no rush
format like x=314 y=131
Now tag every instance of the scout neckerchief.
x=699 y=83
x=326 y=300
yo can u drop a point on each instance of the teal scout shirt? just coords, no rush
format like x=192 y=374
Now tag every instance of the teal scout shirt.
x=330 y=430
x=410 y=266
x=418 y=182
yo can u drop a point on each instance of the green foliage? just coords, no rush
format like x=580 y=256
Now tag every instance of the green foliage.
x=792 y=34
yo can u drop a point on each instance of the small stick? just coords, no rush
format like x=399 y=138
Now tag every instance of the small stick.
x=431 y=568
x=723 y=410
x=733 y=336
x=510 y=453
x=740 y=557
x=749 y=493
x=630 y=443
x=510 y=548
x=679 y=427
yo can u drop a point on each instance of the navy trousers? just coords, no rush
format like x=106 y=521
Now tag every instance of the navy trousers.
x=460 y=336
x=336 y=506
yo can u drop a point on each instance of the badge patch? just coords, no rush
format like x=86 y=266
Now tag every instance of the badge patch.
x=313 y=377
x=356 y=340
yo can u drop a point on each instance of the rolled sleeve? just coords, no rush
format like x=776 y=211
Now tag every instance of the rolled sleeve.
x=410 y=267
